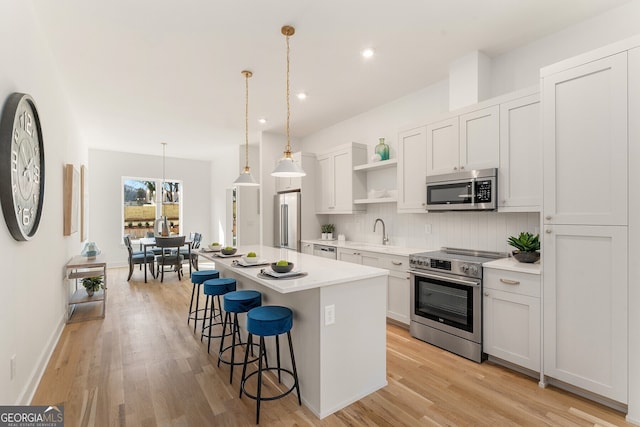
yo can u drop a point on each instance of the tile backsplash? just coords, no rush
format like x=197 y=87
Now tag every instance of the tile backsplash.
x=470 y=230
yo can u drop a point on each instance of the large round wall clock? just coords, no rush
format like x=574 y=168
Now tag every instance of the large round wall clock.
x=21 y=166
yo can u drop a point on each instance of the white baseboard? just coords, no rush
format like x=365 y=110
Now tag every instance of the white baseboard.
x=25 y=397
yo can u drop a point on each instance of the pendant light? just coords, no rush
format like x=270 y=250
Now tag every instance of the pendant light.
x=287 y=167
x=245 y=177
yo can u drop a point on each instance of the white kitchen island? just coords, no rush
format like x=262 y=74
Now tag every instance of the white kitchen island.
x=337 y=363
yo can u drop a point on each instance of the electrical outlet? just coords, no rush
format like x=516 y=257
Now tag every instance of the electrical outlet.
x=12 y=363
x=427 y=229
x=329 y=314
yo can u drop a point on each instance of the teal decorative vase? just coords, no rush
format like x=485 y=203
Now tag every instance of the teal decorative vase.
x=382 y=149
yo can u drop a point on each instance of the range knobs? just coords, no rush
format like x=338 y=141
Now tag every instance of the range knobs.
x=474 y=270
x=464 y=268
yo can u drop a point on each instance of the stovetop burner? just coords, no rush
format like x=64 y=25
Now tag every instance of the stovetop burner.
x=462 y=262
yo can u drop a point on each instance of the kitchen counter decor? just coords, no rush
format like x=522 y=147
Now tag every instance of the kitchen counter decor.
x=527 y=246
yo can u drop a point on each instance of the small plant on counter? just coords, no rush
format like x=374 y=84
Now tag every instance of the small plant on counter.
x=92 y=284
x=527 y=246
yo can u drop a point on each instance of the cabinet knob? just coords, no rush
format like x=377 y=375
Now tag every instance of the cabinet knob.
x=424 y=204
x=396 y=262
x=547 y=217
x=461 y=168
x=548 y=231
x=486 y=294
x=455 y=168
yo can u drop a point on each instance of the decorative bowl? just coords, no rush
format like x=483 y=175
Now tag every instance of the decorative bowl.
x=526 y=257
x=228 y=252
x=215 y=248
x=250 y=259
x=282 y=268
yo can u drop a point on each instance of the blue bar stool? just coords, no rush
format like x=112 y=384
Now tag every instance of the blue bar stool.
x=266 y=321
x=236 y=302
x=214 y=288
x=198 y=278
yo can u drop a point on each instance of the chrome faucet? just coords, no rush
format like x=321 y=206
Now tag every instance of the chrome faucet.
x=385 y=238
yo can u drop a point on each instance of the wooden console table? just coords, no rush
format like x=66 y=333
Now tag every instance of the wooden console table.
x=82 y=306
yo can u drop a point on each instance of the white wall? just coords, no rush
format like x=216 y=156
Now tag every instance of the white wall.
x=33 y=292
x=106 y=170
x=520 y=67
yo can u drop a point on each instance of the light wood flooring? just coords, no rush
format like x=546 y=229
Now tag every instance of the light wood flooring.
x=143 y=366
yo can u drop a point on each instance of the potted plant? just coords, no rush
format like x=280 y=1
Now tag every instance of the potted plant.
x=92 y=284
x=527 y=246
x=327 y=231
x=330 y=228
x=139 y=225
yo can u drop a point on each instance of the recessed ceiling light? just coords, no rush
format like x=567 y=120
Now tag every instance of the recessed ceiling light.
x=262 y=120
x=302 y=95
x=367 y=53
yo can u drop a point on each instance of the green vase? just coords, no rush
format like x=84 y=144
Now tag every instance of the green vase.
x=382 y=149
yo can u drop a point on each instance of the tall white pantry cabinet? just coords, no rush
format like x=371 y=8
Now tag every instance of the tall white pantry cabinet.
x=591 y=212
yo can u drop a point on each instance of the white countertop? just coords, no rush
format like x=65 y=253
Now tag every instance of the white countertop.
x=321 y=271
x=372 y=247
x=511 y=264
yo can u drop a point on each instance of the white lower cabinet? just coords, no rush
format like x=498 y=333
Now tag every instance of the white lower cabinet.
x=586 y=307
x=398 y=290
x=307 y=248
x=511 y=317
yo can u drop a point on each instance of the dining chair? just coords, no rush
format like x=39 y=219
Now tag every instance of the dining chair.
x=138 y=257
x=170 y=254
x=192 y=255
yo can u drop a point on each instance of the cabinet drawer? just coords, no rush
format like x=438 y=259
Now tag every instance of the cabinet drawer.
x=511 y=281
x=394 y=263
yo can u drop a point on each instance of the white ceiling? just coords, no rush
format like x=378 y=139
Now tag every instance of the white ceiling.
x=138 y=72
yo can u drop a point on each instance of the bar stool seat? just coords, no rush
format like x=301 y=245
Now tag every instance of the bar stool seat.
x=198 y=278
x=214 y=288
x=266 y=321
x=236 y=302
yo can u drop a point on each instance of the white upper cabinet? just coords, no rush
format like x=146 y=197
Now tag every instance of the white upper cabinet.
x=466 y=142
x=585 y=143
x=412 y=170
x=443 y=148
x=337 y=185
x=480 y=139
x=520 y=171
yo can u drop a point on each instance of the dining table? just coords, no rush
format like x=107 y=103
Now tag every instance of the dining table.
x=150 y=242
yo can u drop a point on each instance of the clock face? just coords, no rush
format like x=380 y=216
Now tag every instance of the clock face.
x=21 y=166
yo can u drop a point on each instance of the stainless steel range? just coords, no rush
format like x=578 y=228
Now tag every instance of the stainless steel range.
x=446 y=299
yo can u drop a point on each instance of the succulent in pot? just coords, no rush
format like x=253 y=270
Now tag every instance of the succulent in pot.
x=527 y=246
x=92 y=284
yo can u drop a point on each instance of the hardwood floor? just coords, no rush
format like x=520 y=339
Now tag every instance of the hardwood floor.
x=143 y=366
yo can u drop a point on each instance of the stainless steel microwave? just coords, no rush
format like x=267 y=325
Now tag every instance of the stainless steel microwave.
x=474 y=190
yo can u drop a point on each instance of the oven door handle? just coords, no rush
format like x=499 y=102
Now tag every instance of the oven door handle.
x=445 y=278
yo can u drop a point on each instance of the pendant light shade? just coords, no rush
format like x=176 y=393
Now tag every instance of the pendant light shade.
x=245 y=177
x=287 y=167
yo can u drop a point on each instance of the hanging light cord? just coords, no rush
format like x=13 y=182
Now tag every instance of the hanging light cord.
x=247 y=74
x=164 y=146
x=288 y=32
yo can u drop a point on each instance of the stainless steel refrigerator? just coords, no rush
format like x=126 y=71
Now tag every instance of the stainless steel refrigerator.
x=287 y=220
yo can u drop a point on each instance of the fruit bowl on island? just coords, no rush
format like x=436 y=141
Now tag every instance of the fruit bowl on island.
x=228 y=250
x=215 y=246
x=281 y=267
x=250 y=258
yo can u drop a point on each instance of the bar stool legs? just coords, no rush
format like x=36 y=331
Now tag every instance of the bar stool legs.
x=197 y=279
x=269 y=321
x=236 y=302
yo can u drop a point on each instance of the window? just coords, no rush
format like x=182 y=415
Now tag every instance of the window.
x=142 y=205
